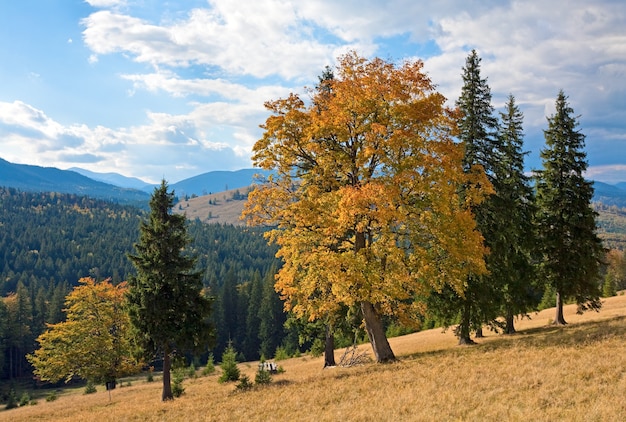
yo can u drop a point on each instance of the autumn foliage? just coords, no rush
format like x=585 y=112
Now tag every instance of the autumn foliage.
x=93 y=343
x=364 y=202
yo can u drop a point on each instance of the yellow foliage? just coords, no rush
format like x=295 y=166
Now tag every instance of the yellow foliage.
x=93 y=343
x=365 y=202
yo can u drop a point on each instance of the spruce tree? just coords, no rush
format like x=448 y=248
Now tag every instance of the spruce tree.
x=571 y=249
x=513 y=240
x=167 y=309
x=477 y=131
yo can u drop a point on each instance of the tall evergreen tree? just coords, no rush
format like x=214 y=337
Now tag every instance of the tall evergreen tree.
x=513 y=236
x=571 y=249
x=166 y=306
x=477 y=131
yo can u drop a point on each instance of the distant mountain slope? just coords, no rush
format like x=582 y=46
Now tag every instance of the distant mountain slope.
x=49 y=179
x=217 y=208
x=216 y=181
x=116 y=179
x=609 y=194
x=202 y=184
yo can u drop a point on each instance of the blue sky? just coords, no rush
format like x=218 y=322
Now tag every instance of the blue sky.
x=172 y=89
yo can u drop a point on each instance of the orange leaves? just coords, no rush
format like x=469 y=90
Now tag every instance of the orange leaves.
x=365 y=202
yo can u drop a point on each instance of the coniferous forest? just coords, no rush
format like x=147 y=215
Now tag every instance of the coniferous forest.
x=49 y=241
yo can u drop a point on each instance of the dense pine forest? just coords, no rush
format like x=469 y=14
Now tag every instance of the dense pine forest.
x=48 y=241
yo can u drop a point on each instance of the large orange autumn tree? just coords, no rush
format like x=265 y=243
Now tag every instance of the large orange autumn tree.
x=364 y=201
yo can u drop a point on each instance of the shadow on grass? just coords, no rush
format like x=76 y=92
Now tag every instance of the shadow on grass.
x=571 y=335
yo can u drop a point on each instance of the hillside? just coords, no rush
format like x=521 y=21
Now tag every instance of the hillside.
x=115 y=187
x=611 y=225
x=574 y=373
x=217 y=181
x=610 y=194
x=49 y=179
x=216 y=208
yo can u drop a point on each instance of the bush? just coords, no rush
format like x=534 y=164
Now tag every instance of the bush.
x=11 y=400
x=244 y=383
x=25 y=399
x=177 y=382
x=90 y=388
x=191 y=371
x=230 y=371
x=262 y=377
x=150 y=377
x=210 y=366
x=281 y=354
x=609 y=288
x=52 y=396
x=317 y=348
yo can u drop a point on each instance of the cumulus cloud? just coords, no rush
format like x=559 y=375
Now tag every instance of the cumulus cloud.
x=257 y=43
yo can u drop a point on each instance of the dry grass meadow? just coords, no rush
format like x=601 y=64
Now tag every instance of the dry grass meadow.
x=543 y=373
x=222 y=209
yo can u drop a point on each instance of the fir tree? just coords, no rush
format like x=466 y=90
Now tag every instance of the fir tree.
x=571 y=249
x=512 y=236
x=477 y=131
x=166 y=306
x=230 y=371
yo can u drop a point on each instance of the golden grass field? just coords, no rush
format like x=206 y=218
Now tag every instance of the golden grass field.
x=543 y=373
x=224 y=209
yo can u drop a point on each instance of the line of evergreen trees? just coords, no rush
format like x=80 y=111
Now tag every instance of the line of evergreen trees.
x=540 y=231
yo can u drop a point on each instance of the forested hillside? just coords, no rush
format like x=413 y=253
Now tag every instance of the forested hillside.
x=611 y=225
x=49 y=240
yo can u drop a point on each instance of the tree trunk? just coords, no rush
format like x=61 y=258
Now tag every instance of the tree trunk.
x=509 y=328
x=479 y=332
x=329 y=348
x=167 y=385
x=558 y=319
x=376 y=334
x=463 y=330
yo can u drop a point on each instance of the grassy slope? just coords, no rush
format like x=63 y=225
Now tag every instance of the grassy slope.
x=542 y=373
x=223 y=208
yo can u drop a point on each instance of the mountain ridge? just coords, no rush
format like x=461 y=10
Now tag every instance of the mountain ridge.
x=123 y=189
x=116 y=187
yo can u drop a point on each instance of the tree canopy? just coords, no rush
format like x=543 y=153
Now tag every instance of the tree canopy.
x=364 y=202
x=94 y=342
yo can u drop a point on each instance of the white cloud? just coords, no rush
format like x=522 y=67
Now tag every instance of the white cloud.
x=608 y=173
x=203 y=74
x=255 y=43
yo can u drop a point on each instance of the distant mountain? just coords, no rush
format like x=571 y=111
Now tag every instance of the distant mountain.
x=116 y=179
x=200 y=185
x=610 y=194
x=216 y=181
x=49 y=179
x=129 y=190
